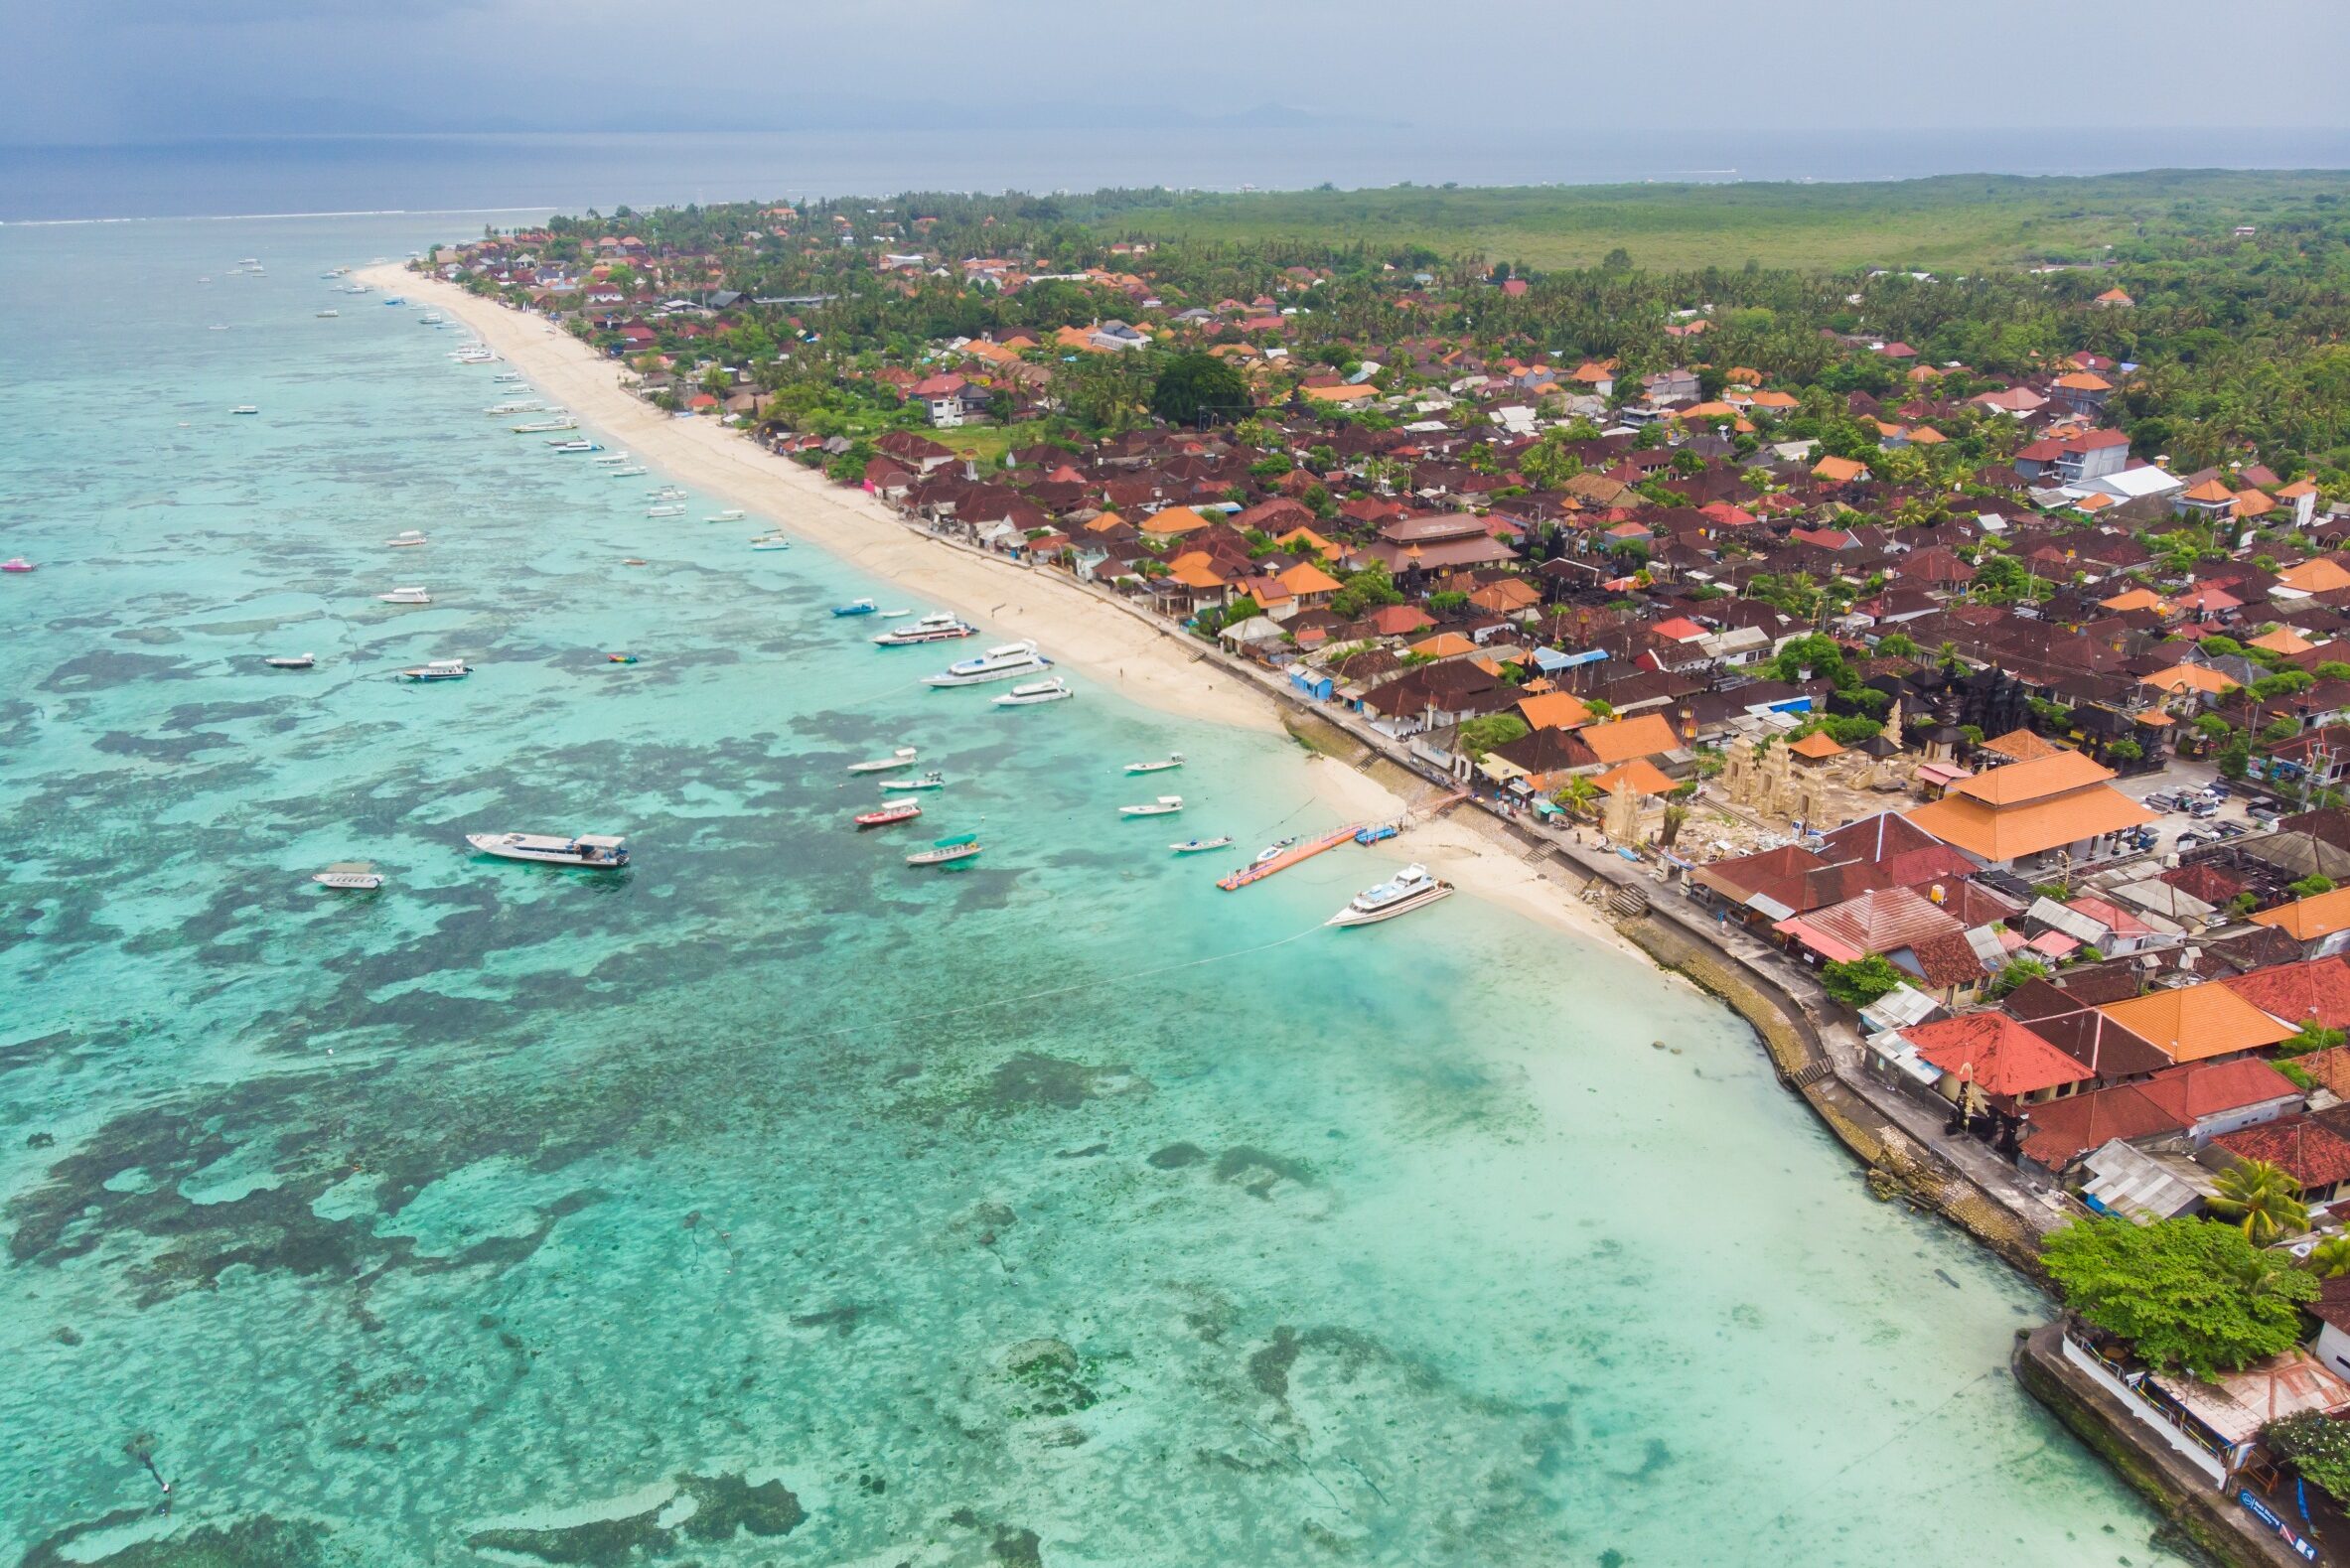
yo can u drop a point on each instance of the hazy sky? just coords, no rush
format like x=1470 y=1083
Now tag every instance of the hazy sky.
x=147 y=68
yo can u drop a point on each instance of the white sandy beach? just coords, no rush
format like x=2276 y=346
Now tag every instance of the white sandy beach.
x=1153 y=668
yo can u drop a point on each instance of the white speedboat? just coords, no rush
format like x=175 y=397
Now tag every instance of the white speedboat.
x=246 y=408
x=630 y=471
x=351 y=876
x=1272 y=852
x=405 y=539
x=1195 y=846
x=664 y=511
x=520 y=405
x=553 y=421
x=771 y=541
x=595 y=851
x=730 y=515
x=327 y=315
x=406 y=596
x=577 y=443
x=610 y=460
x=433 y=317
x=881 y=765
x=665 y=493
x=291 y=660
x=1171 y=760
x=1406 y=891
x=1164 y=805
x=1004 y=663
x=940 y=628
x=930 y=781
x=439 y=669
x=1030 y=693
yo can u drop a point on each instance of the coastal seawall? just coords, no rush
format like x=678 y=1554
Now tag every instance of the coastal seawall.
x=2208 y=1516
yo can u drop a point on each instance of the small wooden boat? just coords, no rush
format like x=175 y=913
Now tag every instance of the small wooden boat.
x=1272 y=852
x=634 y=561
x=406 y=540
x=1164 y=805
x=664 y=511
x=406 y=596
x=929 y=781
x=946 y=851
x=1171 y=760
x=620 y=659
x=730 y=515
x=1194 y=846
x=771 y=541
x=352 y=876
x=246 y=408
x=894 y=811
x=881 y=765
x=439 y=669
x=855 y=607
x=291 y=661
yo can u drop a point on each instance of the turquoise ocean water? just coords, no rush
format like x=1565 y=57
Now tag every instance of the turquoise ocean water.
x=771 y=1202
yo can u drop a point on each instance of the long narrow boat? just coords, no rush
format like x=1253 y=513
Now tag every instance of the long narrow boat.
x=894 y=811
x=591 y=852
x=930 y=781
x=351 y=876
x=1172 y=759
x=1164 y=805
x=291 y=660
x=946 y=851
x=1194 y=846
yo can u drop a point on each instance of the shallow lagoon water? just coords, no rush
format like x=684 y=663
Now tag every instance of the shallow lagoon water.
x=769 y=1202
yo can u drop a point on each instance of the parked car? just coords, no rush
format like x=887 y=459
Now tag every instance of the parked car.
x=2207 y=808
x=2231 y=830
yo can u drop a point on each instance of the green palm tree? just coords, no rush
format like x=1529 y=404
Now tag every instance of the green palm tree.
x=1578 y=796
x=2262 y=1200
x=2330 y=1259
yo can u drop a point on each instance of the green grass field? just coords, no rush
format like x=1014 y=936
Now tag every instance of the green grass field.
x=1954 y=222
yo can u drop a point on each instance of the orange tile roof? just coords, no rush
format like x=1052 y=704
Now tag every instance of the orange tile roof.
x=2022 y=746
x=2284 y=640
x=2196 y=1022
x=1309 y=538
x=2210 y=489
x=2317 y=991
x=1556 y=710
x=1837 y=471
x=1173 y=520
x=1355 y=392
x=1818 y=746
x=1621 y=740
x=2306 y=920
x=1997 y=833
x=1643 y=776
x=1444 y=645
x=2134 y=598
x=2035 y=780
x=1307 y=578
x=2319 y=576
x=2190 y=677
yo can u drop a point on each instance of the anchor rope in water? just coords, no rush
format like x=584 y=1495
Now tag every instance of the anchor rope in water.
x=1064 y=990
x=1785 y=1515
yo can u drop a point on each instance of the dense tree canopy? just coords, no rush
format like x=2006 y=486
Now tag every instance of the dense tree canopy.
x=2184 y=1293
x=1195 y=385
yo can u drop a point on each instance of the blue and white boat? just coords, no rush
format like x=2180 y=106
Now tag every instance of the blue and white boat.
x=856 y=607
x=1406 y=891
